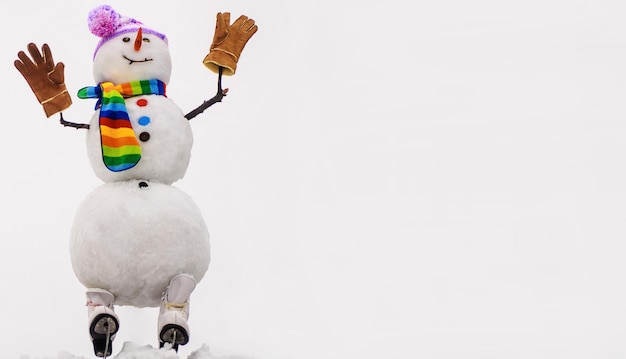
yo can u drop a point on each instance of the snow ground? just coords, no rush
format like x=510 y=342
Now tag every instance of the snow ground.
x=132 y=350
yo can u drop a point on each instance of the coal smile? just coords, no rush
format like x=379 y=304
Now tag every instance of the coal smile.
x=131 y=61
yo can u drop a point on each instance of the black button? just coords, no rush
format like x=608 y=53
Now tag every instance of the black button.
x=144 y=136
x=143 y=184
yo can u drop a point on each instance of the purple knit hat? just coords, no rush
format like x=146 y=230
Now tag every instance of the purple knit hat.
x=105 y=22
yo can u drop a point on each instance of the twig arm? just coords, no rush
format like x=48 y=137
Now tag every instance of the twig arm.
x=72 y=124
x=208 y=103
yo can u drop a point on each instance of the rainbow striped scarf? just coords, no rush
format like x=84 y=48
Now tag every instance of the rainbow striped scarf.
x=120 y=148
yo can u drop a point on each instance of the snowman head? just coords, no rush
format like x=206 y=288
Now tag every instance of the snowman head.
x=127 y=50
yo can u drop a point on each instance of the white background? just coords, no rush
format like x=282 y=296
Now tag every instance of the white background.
x=386 y=179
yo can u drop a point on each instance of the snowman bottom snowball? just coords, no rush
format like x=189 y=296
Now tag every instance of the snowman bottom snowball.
x=132 y=237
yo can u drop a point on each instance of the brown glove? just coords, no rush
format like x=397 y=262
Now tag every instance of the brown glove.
x=45 y=79
x=228 y=42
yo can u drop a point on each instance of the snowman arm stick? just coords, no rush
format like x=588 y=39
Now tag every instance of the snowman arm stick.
x=208 y=103
x=72 y=124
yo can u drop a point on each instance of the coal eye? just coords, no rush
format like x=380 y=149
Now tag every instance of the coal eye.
x=145 y=39
x=126 y=39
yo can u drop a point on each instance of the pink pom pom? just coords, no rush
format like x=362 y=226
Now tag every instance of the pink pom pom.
x=103 y=20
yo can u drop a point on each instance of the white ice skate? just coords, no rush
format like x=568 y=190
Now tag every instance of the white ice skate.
x=174 y=311
x=103 y=322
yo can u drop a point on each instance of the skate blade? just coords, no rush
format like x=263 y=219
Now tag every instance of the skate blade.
x=174 y=335
x=100 y=348
x=102 y=330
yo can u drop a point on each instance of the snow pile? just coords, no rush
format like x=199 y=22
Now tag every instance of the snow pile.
x=132 y=350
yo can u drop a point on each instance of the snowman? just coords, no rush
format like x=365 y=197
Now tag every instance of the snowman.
x=136 y=240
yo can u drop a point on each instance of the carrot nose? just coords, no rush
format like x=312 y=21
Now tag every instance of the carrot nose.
x=138 y=40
